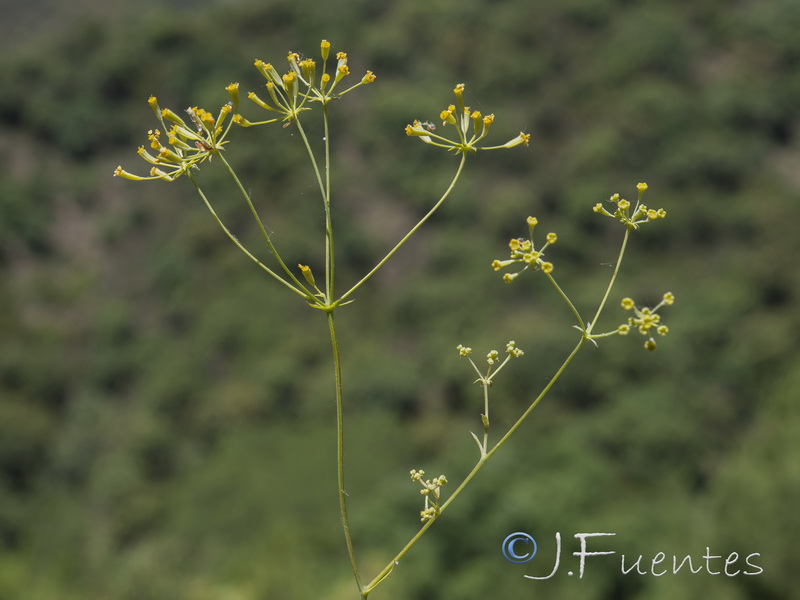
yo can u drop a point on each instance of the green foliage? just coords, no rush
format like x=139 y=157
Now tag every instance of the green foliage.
x=144 y=397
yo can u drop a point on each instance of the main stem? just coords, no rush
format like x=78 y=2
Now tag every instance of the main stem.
x=325 y=189
x=330 y=262
x=340 y=450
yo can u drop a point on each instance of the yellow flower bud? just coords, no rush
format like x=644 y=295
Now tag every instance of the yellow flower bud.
x=166 y=154
x=153 y=102
x=171 y=116
x=233 y=91
x=341 y=71
x=522 y=138
x=309 y=276
x=309 y=68
x=241 y=121
x=290 y=83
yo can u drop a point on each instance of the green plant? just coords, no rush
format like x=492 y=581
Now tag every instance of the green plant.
x=181 y=145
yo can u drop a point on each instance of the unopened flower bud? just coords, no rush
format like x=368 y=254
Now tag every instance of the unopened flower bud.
x=171 y=116
x=233 y=91
x=522 y=138
x=309 y=276
x=509 y=277
x=153 y=102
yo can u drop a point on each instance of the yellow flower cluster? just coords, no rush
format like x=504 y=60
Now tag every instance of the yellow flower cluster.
x=289 y=93
x=186 y=146
x=192 y=141
x=632 y=218
x=431 y=489
x=523 y=251
x=646 y=319
x=470 y=125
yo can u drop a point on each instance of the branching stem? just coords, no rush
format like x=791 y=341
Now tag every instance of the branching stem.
x=486 y=455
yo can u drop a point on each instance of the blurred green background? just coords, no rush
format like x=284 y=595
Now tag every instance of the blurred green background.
x=166 y=413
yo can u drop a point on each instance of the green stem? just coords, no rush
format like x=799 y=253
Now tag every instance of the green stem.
x=485 y=385
x=325 y=191
x=588 y=330
x=340 y=449
x=301 y=291
x=330 y=263
x=388 y=568
x=261 y=226
x=568 y=301
x=409 y=234
x=486 y=456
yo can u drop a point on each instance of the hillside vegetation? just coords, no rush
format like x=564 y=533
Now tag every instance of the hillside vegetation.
x=166 y=413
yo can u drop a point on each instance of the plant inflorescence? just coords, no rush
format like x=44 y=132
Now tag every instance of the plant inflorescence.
x=179 y=146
